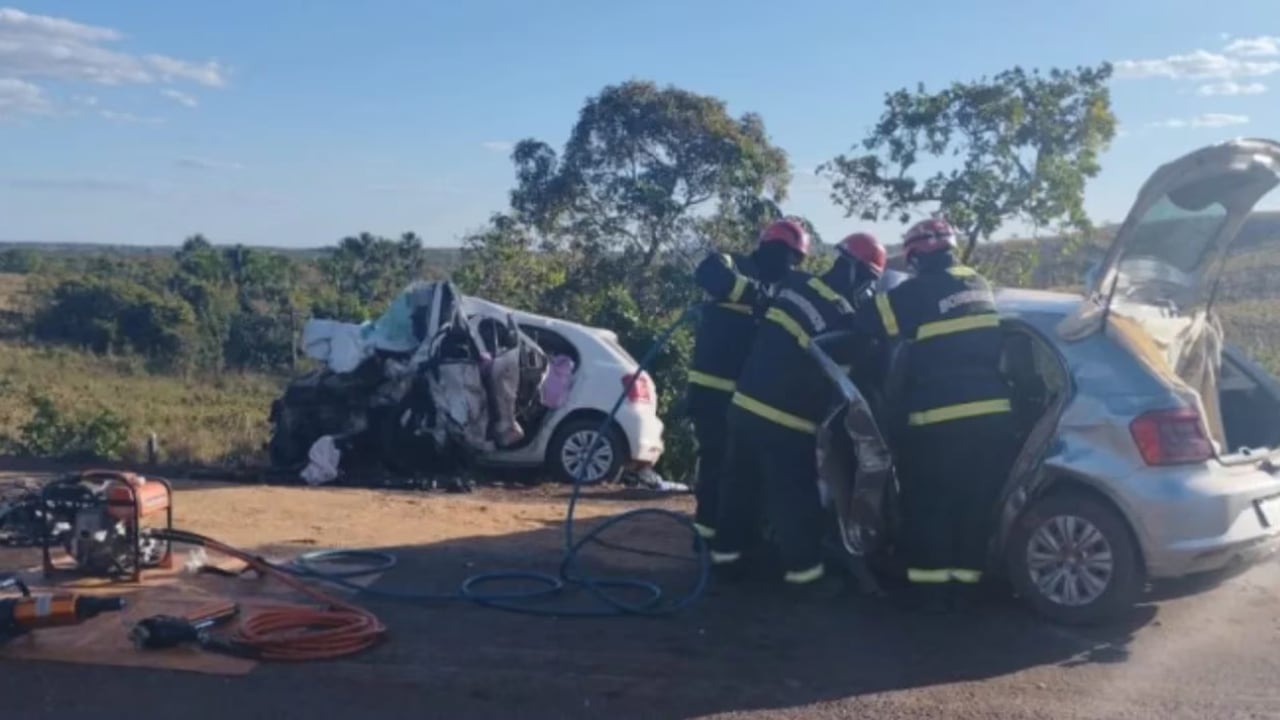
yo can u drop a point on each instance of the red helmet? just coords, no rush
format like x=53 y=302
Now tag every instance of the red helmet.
x=929 y=236
x=864 y=248
x=788 y=232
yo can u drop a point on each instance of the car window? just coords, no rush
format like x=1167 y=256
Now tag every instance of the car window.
x=1168 y=247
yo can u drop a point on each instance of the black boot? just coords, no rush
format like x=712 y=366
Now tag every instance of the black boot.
x=732 y=573
x=826 y=588
x=965 y=597
x=929 y=599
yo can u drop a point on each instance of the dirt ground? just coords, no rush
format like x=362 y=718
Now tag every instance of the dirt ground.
x=1189 y=652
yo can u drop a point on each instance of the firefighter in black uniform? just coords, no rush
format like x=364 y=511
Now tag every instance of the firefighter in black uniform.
x=739 y=287
x=781 y=397
x=955 y=449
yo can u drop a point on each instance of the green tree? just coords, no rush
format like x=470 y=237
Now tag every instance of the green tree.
x=641 y=165
x=110 y=315
x=20 y=260
x=502 y=262
x=371 y=269
x=1019 y=145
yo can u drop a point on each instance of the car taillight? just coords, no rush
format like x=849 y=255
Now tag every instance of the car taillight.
x=641 y=391
x=1171 y=437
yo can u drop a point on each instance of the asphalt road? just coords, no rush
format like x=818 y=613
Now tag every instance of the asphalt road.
x=746 y=653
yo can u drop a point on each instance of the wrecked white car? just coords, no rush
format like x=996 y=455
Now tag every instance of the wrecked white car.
x=443 y=379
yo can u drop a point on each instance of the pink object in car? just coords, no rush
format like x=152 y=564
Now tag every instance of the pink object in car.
x=555 y=388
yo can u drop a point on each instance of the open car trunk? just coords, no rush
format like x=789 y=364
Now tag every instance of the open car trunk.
x=1154 y=292
x=1249 y=399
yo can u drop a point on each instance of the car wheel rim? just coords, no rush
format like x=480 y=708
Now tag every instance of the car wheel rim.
x=574 y=454
x=1070 y=560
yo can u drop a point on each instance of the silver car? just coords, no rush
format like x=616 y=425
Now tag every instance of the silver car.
x=1150 y=449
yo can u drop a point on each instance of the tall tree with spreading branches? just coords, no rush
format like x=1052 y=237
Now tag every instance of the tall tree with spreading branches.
x=1020 y=145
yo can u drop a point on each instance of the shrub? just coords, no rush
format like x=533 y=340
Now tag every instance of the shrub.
x=52 y=432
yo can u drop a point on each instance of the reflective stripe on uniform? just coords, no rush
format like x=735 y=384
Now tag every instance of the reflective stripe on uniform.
x=966 y=576
x=947 y=327
x=887 y=318
x=774 y=415
x=790 y=325
x=917 y=575
x=724 y=558
x=711 y=381
x=961 y=271
x=799 y=577
x=739 y=287
x=704 y=532
x=959 y=412
x=826 y=293
x=736 y=307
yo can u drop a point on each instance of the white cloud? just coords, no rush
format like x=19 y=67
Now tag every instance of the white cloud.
x=1231 y=87
x=1207 y=120
x=197 y=163
x=130 y=118
x=40 y=47
x=180 y=97
x=18 y=97
x=500 y=146
x=1196 y=65
x=86 y=100
x=1261 y=46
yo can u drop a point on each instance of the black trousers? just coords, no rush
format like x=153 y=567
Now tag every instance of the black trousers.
x=710 y=428
x=772 y=474
x=951 y=475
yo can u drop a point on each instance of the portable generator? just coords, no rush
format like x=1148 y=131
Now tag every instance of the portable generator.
x=97 y=517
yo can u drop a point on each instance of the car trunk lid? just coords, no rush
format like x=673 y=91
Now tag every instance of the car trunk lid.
x=1154 y=290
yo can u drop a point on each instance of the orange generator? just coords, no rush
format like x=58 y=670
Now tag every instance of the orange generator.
x=97 y=516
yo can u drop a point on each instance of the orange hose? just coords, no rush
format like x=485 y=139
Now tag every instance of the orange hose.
x=300 y=632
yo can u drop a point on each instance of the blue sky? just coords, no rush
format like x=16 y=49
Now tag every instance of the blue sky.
x=294 y=122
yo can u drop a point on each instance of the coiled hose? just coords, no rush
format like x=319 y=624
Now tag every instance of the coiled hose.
x=340 y=628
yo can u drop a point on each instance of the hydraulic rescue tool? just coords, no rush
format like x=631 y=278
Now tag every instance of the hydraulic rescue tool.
x=166 y=631
x=21 y=615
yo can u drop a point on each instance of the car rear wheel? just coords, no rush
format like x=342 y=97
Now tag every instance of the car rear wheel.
x=1072 y=558
x=568 y=452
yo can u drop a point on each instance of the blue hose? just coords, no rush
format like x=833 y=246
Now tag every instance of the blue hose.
x=647 y=596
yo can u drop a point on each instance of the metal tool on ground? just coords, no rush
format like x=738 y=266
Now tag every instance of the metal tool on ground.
x=27 y=612
x=166 y=631
x=97 y=517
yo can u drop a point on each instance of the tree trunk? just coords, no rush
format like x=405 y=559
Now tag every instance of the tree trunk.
x=970 y=244
x=655 y=242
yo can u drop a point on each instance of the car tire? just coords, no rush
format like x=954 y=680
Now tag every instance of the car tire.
x=1090 y=580
x=573 y=438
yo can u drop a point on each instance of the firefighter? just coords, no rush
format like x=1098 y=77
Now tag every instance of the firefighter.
x=954 y=450
x=739 y=287
x=781 y=398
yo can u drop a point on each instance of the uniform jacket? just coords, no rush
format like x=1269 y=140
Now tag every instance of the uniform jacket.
x=947 y=312
x=780 y=381
x=727 y=326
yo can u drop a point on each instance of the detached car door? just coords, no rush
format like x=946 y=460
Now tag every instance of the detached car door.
x=855 y=467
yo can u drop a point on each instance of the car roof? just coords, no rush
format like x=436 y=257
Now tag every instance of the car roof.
x=1019 y=301
x=489 y=307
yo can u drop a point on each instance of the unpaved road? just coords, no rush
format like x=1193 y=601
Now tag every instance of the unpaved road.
x=1211 y=654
